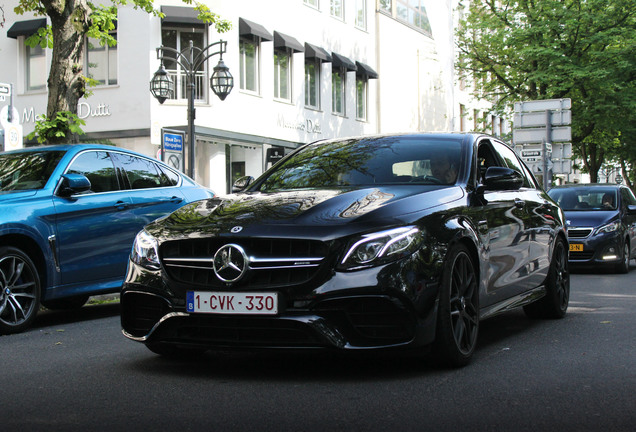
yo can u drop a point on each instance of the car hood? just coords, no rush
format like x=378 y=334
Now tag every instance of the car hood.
x=313 y=210
x=589 y=218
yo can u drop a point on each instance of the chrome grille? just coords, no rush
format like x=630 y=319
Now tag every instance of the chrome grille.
x=579 y=233
x=272 y=262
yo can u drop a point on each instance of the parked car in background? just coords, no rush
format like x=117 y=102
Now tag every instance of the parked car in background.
x=68 y=218
x=354 y=244
x=601 y=220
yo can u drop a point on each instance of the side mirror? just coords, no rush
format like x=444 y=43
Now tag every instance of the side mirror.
x=631 y=210
x=73 y=184
x=241 y=184
x=500 y=178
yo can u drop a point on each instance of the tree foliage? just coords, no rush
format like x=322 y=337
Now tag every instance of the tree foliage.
x=520 y=50
x=71 y=22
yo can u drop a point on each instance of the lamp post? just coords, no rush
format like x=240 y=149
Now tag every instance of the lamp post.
x=190 y=60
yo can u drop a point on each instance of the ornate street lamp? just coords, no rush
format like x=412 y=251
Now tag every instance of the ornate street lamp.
x=191 y=60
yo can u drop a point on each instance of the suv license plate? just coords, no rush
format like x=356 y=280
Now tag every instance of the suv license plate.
x=244 y=303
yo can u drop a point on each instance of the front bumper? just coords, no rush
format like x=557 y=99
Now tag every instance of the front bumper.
x=338 y=314
x=597 y=250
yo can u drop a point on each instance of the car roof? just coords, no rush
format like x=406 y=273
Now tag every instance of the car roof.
x=587 y=185
x=66 y=147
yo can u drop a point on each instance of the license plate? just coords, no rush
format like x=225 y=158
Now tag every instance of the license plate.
x=577 y=247
x=243 y=303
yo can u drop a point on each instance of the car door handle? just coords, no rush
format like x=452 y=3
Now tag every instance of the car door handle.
x=176 y=199
x=120 y=205
x=520 y=203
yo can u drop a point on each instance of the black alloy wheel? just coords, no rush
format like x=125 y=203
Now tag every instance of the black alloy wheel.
x=19 y=290
x=557 y=284
x=458 y=313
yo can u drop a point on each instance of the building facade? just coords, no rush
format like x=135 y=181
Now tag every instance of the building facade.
x=303 y=70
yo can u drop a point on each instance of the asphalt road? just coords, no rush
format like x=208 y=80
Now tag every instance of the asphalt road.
x=76 y=372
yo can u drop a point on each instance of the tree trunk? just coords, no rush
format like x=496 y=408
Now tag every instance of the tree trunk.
x=69 y=23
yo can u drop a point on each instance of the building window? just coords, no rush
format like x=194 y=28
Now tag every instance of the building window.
x=282 y=74
x=312 y=3
x=312 y=83
x=361 y=97
x=101 y=61
x=249 y=65
x=361 y=14
x=413 y=12
x=462 y=118
x=338 y=85
x=35 y=68
x=385 y=5
x=337 y=9
x=179 y=39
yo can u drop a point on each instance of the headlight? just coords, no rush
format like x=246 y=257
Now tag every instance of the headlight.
x=144 y=251
x=610 y=227
x=382 y=247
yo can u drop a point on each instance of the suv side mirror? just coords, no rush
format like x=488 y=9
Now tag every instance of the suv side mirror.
x=242 y=183
x=73 y=184
x=500 y=178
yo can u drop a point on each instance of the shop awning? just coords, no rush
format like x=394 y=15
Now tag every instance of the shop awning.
x=283 y=41
x=340 y=61
x=315 y=52
x=250 y=29
x=366 y=71
x=26 y=28
x=180 y=15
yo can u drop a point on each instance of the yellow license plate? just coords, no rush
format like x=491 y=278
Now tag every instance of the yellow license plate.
x=576 y=247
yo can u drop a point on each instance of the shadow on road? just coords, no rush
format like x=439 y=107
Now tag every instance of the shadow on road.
x=47 y=317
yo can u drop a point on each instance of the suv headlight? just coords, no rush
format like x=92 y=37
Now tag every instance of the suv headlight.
x=144 y=251
x=381 y=247
x=610 y=227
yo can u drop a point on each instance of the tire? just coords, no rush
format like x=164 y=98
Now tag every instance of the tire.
x=66 y=303
x=555 y=303
x=458 y=311
x=19 y=290
x=623 y=266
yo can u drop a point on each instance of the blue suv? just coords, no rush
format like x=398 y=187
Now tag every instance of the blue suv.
x=601 y=222
x=68 y=218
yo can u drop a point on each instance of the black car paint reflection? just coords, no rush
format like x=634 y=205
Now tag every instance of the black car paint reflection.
x=364 y=248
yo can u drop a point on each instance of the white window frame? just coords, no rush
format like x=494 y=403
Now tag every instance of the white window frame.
x=339 y=90
x=179 y=78
x=336 y=9
x=361 y=14
x=315 y=79
x=414 y=16
x=111 y=56
x=282 y=75
x=312 y=3
x=39 y=71
x=243 y=65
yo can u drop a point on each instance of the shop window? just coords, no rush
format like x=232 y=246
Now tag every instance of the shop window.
x=179 y=39
x=337 y=9
x=361 y=97
x=249 y=65
x=361 y=14
x=338 y=85
x=282 y=74
x=35 y=68
x=413 y=12
x=101 y=61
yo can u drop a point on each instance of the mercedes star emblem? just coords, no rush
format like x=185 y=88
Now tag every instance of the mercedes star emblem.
x=230 y=263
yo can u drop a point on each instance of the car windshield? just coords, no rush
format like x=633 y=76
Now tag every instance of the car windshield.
x=366 y=162
x=27 y=170
x=585 y=199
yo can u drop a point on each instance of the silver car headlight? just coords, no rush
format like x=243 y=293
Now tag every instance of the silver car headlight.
x=610 y=227
x=382 y=247
x=145 y=251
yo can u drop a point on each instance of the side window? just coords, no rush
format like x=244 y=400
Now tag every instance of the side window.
x=485 y=159
x=628 y=197
x=168 y=177
x=98 y=167
x=141 y=173
x=511 y=161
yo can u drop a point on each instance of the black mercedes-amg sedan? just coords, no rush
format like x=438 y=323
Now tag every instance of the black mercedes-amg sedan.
x=379 y=242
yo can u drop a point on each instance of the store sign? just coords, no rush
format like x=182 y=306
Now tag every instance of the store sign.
x=84 y=111
x=305 y=125
x=275 y=154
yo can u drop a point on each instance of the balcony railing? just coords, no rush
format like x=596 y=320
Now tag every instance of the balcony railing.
x=180 y=81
